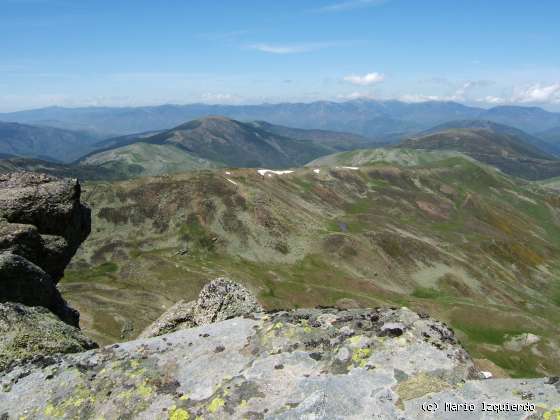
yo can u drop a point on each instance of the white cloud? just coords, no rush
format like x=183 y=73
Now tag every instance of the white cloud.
x=220 y=98
x=291 y=48
x=355 y=95
x=415 y=97
x=537 y=93
x=349 y=5
x=495 y=100
x=366 y=79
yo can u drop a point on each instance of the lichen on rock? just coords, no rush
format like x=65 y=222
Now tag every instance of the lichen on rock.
x=218 y=300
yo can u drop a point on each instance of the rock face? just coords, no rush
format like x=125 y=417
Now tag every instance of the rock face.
x=28 y=334
x=314 y=363
x=219 y=300
x=42 y=224
x=46 y=221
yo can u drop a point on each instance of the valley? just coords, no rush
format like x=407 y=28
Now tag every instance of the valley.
x=444 y=235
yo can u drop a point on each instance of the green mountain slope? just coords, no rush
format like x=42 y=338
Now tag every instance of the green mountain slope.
x=451 y=238
x=45 y=143
x=145 y=159
x=220 y=140
x=504 y=150
x=402 y=157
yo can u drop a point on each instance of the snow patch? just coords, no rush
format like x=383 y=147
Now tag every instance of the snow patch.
x=316 y=171
x=264 y=172
x=233 y=182
x=228 y=173
x=353 y=168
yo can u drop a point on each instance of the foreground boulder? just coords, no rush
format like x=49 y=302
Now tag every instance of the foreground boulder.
x=316 y=363
x=28 y=334
x=218 y=300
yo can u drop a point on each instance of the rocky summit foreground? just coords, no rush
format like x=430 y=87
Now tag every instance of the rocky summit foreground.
x=308 y=363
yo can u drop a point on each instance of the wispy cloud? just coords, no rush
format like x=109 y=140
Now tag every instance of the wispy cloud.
x=349 y=5
x=365 y=80
x=538 y=93
x=293 y=48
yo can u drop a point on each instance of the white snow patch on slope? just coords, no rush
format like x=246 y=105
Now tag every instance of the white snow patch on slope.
x=233 y=182
x=263 y=172
x=316 y=171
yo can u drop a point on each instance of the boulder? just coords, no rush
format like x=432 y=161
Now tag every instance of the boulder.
x=178 y=317
x=218 y=300
x=222 y=299
x=33 y=334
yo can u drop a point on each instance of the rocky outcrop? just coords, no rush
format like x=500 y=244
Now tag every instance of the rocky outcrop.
x=46 y=222
x=31 y=334
x=312 y=363
x=42 y=224
x=218 y=300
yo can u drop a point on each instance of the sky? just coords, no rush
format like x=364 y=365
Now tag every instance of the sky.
x=148 y=52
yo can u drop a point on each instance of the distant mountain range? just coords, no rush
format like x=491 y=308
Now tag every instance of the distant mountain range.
x=46 y=143
x=510 y=150
x=369 y=118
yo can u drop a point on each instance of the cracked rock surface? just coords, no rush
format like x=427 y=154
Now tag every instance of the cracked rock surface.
x=308 y=363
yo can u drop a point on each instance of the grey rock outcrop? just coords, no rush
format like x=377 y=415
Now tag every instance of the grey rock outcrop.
x=28 y=334
x=42 y=224
x=22 y=281
x=218 y=300
x=46 y=222
x=313 y=363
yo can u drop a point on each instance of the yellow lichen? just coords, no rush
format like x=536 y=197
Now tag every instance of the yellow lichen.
x=360 y=357
x=144 y=390
x=178 y=414
x=552 y=415
x=243 y=404
x=216 y=404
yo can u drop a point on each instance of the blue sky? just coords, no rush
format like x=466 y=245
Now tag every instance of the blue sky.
x=143 y=52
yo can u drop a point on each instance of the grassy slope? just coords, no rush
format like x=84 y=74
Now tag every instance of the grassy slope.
x=452 y=238
x=143 y=159
x=402 y=157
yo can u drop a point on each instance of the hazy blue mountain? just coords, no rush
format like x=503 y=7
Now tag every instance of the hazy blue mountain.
x=530 y=119
x=375 y=119
x=46 y=143
x=512 y=132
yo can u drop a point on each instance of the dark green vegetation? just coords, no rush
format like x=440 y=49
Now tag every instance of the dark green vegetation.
x=449 y=237
x=508 y=149
x=45 y=143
